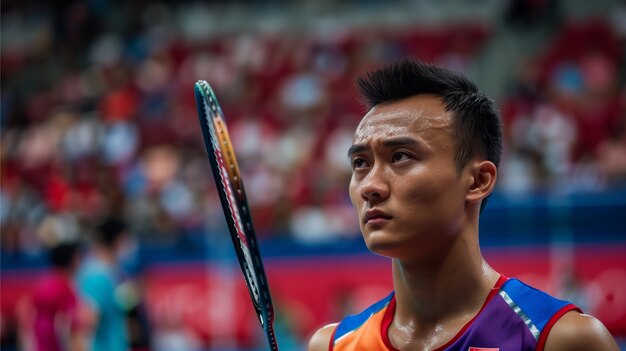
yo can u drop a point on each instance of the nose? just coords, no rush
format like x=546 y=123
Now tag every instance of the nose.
x=375 y=186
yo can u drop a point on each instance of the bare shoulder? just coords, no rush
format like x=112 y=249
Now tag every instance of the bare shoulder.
x=576 y=331
x=321 y=339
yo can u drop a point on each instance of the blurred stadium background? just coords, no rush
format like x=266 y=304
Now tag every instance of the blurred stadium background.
x=97 y=116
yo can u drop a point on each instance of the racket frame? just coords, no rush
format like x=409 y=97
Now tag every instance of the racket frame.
x=234 y=202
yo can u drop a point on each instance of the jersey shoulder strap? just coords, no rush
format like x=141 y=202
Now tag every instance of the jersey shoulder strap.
x=354 y=323
x=539 y=310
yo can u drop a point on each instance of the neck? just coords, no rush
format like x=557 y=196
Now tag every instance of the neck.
x=65 y=272
x=106 y=255
x=431 y=290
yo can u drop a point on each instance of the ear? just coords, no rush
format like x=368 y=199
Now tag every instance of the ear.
x=483 y=180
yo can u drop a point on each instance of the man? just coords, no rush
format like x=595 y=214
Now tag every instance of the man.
x=98 y=280
x=424 y=161
x=59 y=319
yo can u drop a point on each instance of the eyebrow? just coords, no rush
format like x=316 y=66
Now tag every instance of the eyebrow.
x=400 y=141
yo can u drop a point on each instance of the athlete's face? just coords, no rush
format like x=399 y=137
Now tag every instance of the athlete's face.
x=405 y=187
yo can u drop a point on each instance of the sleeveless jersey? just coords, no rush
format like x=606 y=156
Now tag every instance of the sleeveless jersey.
x=514 y=316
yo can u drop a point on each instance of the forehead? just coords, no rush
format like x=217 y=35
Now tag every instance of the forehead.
x=424 y=116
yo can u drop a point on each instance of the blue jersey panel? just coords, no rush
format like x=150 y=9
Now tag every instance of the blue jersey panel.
x=353 y=322
x=536 y=305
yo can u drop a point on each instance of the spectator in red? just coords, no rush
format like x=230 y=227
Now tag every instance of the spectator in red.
x=59 y=319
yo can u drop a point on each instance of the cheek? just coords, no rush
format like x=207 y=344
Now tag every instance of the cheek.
x=354 y=193
x=433 y=194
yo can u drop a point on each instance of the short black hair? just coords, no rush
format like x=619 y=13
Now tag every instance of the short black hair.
x=109 y=230
x=476 y=121
x=63 y=255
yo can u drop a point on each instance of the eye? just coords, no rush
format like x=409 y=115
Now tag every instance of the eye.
x=358 y=162
x=399 y=156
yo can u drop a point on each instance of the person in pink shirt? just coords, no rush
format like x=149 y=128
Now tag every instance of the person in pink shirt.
x=59 y=322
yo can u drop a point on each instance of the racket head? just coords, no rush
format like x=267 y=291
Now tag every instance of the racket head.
x=234 y=202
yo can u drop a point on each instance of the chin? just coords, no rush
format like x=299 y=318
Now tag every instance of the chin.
x=384 y=245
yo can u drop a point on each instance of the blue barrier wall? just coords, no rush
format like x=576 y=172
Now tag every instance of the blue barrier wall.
x=536 y=219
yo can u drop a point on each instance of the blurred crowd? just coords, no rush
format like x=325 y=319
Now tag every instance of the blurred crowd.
x=98 y=116
x=98 y=119
x=565 y=118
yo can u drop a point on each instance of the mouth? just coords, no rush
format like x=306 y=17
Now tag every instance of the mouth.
x=375 y=216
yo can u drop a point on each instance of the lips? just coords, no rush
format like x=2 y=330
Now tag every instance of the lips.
x=375 y=216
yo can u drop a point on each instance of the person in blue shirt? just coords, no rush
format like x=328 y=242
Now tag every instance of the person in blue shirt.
x=98 y=279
